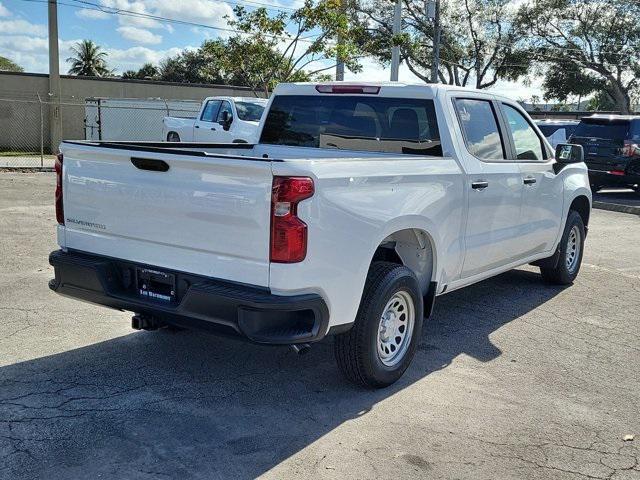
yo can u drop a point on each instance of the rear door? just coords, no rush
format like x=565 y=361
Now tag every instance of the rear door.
x=494 y=186
x=205 y=128
x=206 y=214
x=542 y=190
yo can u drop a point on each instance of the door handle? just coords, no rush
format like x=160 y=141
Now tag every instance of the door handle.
x=150 y=164
x=529 y=181
x=479 y=185
x=196 y=126
x=213 y=128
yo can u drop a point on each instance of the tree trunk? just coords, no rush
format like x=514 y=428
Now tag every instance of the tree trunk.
x=620 y=96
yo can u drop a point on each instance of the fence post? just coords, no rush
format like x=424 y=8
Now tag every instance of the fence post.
x=41 y=131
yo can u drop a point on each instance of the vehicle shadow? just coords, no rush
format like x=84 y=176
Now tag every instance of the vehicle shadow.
x=190 y=405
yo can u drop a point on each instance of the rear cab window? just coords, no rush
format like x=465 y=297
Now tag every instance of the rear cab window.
x=354 y=122
x=603 y=128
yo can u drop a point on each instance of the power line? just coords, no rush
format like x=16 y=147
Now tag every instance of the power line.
x=84 y=4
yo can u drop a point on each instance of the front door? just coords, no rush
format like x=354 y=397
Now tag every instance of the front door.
x=205 y=128
x=542 y=193
x=225 y=135
x=494 y=189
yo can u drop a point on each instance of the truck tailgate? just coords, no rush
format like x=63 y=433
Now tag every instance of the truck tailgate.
x=205 y=215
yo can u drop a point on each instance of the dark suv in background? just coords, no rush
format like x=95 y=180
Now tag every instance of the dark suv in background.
x=611 y=150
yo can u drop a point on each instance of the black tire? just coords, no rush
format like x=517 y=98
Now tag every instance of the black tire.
x=356 y=351
x=173 y=137
x=565 y=272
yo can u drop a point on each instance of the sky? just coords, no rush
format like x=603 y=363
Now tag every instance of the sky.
x=131 y=41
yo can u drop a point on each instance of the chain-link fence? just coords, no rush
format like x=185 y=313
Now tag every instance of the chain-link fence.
x=25 y=136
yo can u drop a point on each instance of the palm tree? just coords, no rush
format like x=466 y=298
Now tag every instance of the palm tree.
x=89 y=60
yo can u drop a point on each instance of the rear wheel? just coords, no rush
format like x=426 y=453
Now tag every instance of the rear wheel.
x=570 y=249
x=380 y=346
x=173 y=137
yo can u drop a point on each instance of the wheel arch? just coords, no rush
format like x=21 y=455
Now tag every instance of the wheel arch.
x=172 y=132
x=413 y=247
x=582 y=205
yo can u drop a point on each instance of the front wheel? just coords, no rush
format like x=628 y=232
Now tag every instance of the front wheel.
x=380 y=346
x=173 y=137
x=571 y=248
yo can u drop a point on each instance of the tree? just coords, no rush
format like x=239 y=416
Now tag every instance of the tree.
x=290 y=47
x=9 y=65
x=479 y=41
x=598 y=41
x=300 y=46
x=88 y=60
x=147 y=72
x=191 y=67
x=563 y=81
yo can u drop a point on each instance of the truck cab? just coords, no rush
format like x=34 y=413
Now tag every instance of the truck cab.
x=357 y=206
x=220 y=120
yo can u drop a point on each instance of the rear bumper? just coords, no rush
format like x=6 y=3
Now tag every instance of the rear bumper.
x=606 y=179
x=201 y=302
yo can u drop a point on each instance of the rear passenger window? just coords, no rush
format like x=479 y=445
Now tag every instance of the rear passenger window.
x=527 y=142
x=480 y=127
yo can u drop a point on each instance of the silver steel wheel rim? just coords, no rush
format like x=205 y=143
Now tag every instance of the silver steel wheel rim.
x=573 y=249
x=395 y=328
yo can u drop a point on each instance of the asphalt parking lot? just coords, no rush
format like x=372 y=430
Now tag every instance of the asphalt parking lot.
x=513 y=379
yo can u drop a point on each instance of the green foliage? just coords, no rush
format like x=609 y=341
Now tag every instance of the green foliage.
x=88 y=60
x=564 y=80
x=479 y=41
x=602 y=102
x=147 y=72
x=597 y=41
x=9 y=65
x=295 y=47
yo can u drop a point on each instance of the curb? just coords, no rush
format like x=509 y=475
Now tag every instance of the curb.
x=616 y=207
x=26 y=169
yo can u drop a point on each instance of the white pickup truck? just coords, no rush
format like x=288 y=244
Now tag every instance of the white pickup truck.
x=220 y=120
x=359 y=205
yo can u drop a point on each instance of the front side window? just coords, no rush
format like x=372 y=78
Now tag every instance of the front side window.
x=226 y=107
x=354 y=122
x=528 y=144
x=210 y=111
x=480 y=127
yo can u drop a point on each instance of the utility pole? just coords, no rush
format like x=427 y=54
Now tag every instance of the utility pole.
x=436 y=43
x=339 y=60
x=55 y=120
x=395 y=51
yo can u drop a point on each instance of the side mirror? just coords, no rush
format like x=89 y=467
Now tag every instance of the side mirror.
x=227 y=118
x=567 y=153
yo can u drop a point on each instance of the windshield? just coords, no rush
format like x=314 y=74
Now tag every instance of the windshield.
x=608 y=130
x=350 y=122
x=250 y=112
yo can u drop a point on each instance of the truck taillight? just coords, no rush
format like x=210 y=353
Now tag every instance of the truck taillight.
x=631 y=149
x=288 y=232
x=59 y=205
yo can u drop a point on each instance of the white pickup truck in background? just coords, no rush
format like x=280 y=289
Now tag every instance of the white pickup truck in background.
x=220 y=120
x=357 y=207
